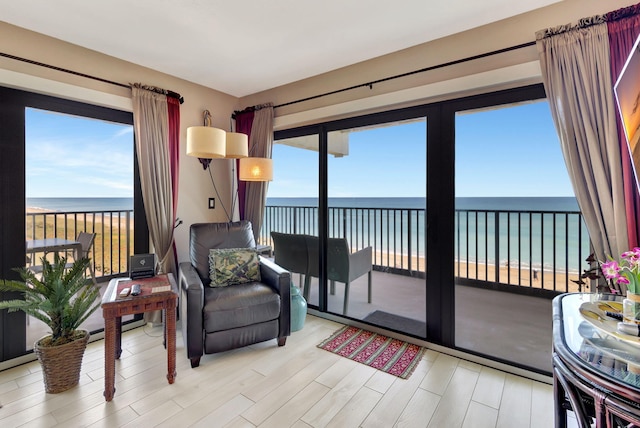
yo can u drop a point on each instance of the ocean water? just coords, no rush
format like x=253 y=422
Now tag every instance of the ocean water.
x=475 y=203
x=502 y=203
x=81 y=204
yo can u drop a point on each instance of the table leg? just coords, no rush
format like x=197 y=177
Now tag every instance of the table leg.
x=170 y=331
x=560 y=413
x=164 y=330
x=109 y=358
x=118 y=334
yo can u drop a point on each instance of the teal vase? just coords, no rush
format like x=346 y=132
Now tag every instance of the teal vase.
x=298 y=309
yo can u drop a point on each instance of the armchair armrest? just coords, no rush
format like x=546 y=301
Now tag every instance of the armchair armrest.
x=280 y=280
x=360 y=263
x=191 y=305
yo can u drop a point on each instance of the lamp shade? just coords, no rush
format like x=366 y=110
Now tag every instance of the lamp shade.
x=206 y=142
x=256 y=169
x=237 y=145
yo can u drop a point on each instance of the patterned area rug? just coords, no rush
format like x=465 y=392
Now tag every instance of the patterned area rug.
x=384 y=353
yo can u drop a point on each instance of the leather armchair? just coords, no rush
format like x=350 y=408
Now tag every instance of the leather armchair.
x=223 y=318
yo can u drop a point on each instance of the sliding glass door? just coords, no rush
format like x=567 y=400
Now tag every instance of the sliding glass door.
x=292 y=208
x=23 y=116
x=60 y=153
x=435 y=221
x=376 y=252
x=517 y=229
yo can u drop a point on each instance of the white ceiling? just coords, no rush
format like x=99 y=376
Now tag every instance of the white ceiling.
x=247 y=46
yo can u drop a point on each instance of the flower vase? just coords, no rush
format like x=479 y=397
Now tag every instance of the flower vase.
x=631 y=308
x=298 y=309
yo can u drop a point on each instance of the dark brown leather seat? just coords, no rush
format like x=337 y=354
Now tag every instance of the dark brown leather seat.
x=223 y=318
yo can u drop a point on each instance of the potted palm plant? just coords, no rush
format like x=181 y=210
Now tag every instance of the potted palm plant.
x=62 y=299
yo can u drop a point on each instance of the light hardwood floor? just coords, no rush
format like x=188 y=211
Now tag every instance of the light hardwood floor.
x=298 y=385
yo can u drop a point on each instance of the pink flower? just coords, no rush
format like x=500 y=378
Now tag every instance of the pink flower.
x=632 y=256
x=611 y=270
x=626 y=272
x=623 y=280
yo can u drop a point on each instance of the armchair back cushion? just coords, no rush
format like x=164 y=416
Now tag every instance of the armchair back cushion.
x=205 y=236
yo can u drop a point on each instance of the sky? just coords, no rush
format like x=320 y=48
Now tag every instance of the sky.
x=69 y=156
x=510 y=151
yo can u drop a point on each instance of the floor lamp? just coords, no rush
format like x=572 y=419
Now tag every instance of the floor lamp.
x=207 y=143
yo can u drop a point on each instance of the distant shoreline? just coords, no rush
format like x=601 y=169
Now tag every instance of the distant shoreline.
x=31 y=210
x=80 y=204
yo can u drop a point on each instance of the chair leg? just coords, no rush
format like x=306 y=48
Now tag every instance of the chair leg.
x=307 y=286
x=282 y=341
x=93 y=274
x=195 y=362
x=345 y=305
x=369 y=286
x=332 y=289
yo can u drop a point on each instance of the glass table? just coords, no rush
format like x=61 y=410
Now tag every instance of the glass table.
x=596 y=369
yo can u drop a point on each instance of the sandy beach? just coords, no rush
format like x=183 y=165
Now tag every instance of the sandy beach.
x=110 y=248
x=94 y=219
x=521 y=277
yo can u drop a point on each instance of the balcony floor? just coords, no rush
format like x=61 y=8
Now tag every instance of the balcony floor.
x=509 y=326
x=512 y=327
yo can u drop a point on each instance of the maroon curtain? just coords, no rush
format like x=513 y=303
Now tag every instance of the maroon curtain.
x=624 y=26
x=244 y=121
x=173 y=111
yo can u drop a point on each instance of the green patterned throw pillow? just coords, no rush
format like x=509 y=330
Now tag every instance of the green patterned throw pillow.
x=229 y=266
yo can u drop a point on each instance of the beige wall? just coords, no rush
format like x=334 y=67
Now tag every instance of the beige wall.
x=511 y=69
x=195 y=184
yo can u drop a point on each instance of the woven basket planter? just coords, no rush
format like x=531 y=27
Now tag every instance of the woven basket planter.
x=61 y=364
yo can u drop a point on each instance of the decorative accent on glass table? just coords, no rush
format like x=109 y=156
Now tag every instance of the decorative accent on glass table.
x=596 y=368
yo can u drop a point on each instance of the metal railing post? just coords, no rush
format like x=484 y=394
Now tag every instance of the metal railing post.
x=497 y=245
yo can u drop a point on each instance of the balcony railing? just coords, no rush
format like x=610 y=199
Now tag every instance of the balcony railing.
x=112 y=245
x=538 y=251
x=531 y=250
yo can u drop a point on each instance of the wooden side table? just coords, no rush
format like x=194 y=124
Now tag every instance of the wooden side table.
x=158 y=293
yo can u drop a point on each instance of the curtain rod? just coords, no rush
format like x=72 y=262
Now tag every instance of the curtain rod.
x=88 y=76
x=410 y=73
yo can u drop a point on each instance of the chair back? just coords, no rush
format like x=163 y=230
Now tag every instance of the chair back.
x=205 y=236
x=338 y=259
x=86 y=241
x=313 y=253
x=290 y=251
x=301 y=254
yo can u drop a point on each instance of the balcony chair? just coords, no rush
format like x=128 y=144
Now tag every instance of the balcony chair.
x=342 y=265
x=217 y=319
x=292 y=254
x=86 y=242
